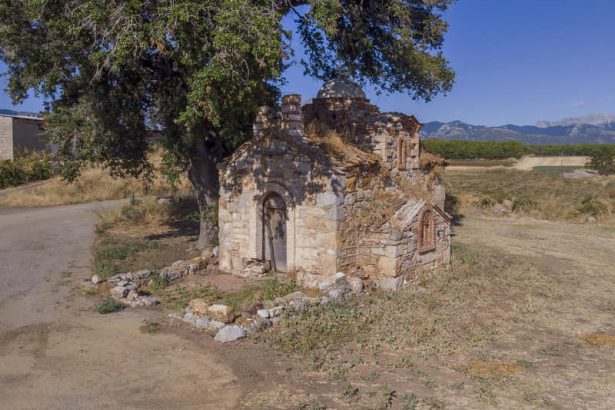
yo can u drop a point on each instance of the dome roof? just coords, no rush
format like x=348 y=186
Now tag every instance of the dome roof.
x=340 y=88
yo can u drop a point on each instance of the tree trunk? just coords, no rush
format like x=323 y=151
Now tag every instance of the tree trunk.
x=203 y=175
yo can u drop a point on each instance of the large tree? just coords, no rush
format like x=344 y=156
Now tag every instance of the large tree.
x=195 y=72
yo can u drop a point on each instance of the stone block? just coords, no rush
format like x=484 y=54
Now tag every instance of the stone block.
x=229 y=333
x=391 y=284
x=198 y=306
x=223 y=313
x=119 y=292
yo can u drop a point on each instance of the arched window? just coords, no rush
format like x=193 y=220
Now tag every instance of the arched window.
x=427 y=231
x=401 y=153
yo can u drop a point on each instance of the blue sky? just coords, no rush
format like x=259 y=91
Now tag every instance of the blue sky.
x=517 y=61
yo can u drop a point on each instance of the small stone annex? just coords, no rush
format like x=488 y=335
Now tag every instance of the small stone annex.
x=333 y=186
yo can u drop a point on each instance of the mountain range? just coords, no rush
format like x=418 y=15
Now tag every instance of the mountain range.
x=594 y=129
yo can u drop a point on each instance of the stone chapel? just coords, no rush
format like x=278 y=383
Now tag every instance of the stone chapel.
x=333 y=186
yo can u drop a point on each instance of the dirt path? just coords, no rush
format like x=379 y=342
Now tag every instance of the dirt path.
x=56 y=352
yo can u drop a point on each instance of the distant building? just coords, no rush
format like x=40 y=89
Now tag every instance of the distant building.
x=20 y=135
x=333 y=186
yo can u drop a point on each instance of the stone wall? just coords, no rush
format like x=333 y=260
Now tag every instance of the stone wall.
x=6 y=137
x=309 y=191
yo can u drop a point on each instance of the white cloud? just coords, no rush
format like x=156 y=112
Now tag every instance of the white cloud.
x=577 y=104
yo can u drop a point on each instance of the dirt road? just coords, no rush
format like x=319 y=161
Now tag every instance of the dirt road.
x=56 y=352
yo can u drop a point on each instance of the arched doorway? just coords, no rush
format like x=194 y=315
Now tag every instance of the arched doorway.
x=275 y=232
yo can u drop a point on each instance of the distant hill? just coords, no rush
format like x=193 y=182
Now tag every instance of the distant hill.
x=4 y=111
x=596 y=129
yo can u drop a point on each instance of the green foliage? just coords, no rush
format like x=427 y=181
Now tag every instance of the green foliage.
x=592 y=205
x=499 y=150
x=109 y=255
x=451 y=149
x=603 y=162
x=109 y=305
x=194 y=73
x=21 y=170
x=322 y=326
x=409 y=401
x=184 y=295
x=157 y=283
x=275 y=287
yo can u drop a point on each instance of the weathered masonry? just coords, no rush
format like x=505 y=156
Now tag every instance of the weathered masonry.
x=333 y=185
x=20 y=135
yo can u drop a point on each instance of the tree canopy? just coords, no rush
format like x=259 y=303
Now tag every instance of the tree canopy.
x=195 y=72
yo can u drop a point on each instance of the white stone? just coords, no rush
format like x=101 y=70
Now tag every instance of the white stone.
x=148 y=300
x=326 y=284
x=263 y=313
x=339 y=278
x=391 y=284
x=215 y=325
x=356 y=284
x=118 y=292
x=229 y=333
x=297 y=304
x=202 y=323
x=223 y=313
x=96 y=279
x=276 y=311
x=216 y=251
x=189 y=316
x=336 y=295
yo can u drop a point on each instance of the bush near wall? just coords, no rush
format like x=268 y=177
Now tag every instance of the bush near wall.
x=497 y=150
x=34 y=167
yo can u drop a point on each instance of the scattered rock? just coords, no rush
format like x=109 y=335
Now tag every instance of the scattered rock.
x=297 y=304
x=356 y=285
x=223 y=313
x=189 y=316
x=96 y=279
x=262 y=323
x=170 y=273
x=229 y=333
x=118 y=292
x=276 y=311
x=199 y=306
x=122 y=283
x=336 y=295
x=202 y=323
x=215 y=325
x=340 y=278
x=216 y=251
x=591 y=220
x=391 y=284
x=294 y=296
x=326 y=285
x=263 y=313
x=132 y=295
x=148 y=300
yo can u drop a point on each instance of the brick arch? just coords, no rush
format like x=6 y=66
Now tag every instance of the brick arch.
x=427 y=230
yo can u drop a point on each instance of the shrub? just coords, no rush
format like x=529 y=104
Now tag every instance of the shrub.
x=592 y=205
x=275 y=287
x=16 y=172
x=603 y=162
x=108 y=305
x=323 y=326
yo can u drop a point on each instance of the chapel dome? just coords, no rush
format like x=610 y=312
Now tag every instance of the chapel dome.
x=340 y=88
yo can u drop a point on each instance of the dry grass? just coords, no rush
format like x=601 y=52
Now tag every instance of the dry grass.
x=93 y=185
x=598 y=339
x=533 y=193
x=490 y=368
